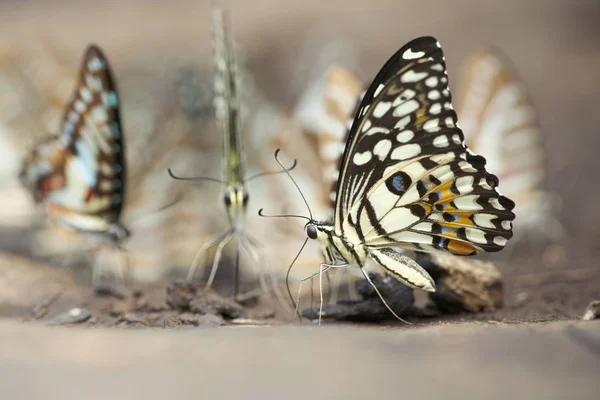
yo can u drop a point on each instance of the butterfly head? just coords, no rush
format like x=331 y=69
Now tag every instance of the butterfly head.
x=312 y=231
x=236 y=199
x=318 y=230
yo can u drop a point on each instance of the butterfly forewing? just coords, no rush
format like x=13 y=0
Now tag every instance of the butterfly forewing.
x=497 y=118
x=407 y=179
x=81 y=171
x=226 y=102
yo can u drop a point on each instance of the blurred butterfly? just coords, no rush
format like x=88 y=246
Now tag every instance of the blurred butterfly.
x=407 y=180
x=79 y=174
x=235 y=194
x=498 y=119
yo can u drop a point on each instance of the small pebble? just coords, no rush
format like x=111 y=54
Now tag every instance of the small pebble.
x=73 y=316
x=592 y=311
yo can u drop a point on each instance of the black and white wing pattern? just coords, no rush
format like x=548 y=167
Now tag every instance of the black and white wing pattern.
x=407 y=179
x=498 y=119
x=79 y=174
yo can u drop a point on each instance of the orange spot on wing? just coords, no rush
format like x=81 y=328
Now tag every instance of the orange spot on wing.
x=463 y=221
x=461 y=248
x=444 y=192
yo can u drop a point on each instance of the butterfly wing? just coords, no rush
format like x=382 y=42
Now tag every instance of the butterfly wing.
x=497 y=118
x=80 y=173
x=226 y=102
x=407 y=179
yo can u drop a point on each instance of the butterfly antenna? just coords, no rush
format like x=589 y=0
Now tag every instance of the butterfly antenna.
x=199 y=178
x=260 y=212
x=271 y=172
x=295 y=184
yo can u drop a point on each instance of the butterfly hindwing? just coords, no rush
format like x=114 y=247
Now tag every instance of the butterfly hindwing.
x=407 y=178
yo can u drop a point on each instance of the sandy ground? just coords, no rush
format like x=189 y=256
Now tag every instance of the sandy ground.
x=491 y=361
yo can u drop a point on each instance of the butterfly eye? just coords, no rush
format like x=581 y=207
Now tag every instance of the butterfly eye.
x=245 y=197
x=311 y=231
x=227 y=198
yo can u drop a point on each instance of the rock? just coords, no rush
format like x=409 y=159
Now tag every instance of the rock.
x=592 y=311
x=151 y=305
x=371 y=309
x=73 y=316
x=133 y=319
x=108 y=290
x=463 y=284
x=208 y=302
x=180 y=293
x=189 y=319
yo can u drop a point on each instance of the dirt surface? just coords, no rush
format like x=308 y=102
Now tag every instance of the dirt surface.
x=36 y=291
x=493 y=361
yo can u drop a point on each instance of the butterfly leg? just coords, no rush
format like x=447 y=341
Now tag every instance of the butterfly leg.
x=253 y=249
x=322 y=268
x=201 y=252
x=97 y=268
x=213 y=271
x=321 y=271
x=124 y=267
x=257 y=253
x=320 y=292
x=297 y=310
x=381 y=297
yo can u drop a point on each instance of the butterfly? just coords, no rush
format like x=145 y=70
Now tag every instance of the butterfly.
x=498 y=119
x=79 y=174
x=235 y=194
x=407 y=180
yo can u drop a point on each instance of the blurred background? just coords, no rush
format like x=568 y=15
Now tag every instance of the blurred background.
x=161 y=56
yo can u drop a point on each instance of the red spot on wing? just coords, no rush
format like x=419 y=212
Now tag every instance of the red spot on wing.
x=89 y=196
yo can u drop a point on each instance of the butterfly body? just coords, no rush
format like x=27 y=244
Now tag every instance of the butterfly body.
x=337 y=248
x=407 y=179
